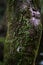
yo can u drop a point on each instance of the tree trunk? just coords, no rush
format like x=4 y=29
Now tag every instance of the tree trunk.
x=23 y=34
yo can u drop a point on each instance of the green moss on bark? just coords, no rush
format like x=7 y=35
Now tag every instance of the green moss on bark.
x=23 y=38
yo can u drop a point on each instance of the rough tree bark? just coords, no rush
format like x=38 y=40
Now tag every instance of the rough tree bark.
x=23 y=34
x=41 y=2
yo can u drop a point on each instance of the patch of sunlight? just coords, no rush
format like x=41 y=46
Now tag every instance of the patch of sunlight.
x=41 y=62
x=41 y=54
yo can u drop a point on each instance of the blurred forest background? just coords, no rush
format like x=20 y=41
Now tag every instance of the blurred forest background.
x=3 y=30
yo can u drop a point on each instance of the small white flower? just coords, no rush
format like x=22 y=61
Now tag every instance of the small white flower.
x=18 y=49
x=35 y=21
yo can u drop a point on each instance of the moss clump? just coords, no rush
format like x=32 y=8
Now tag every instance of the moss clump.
x=23 y=38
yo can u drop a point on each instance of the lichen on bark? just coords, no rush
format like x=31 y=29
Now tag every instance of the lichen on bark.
x=23 y=34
